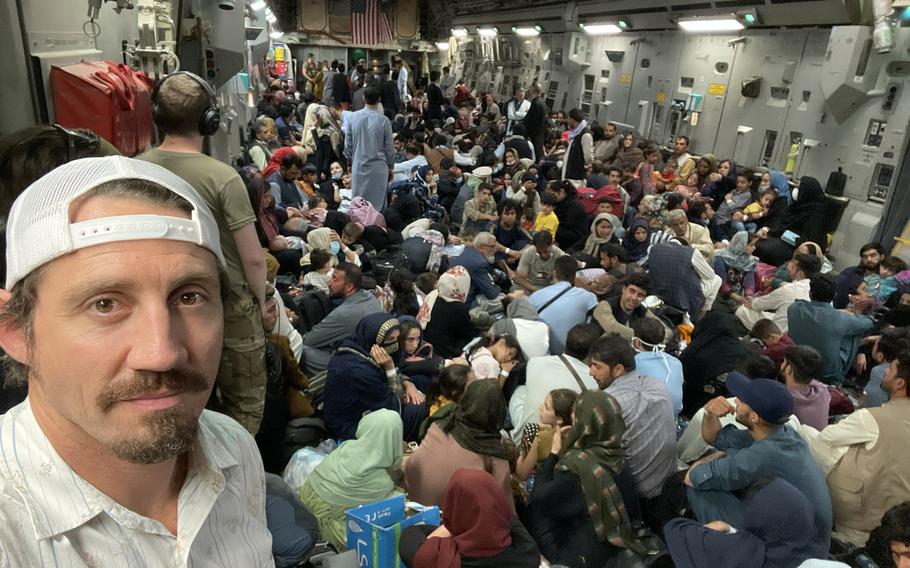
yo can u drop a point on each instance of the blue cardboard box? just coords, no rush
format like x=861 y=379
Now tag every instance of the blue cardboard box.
x=374 y=529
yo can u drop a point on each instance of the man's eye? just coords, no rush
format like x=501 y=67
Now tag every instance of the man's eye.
x=104 y=305
x=190 y=298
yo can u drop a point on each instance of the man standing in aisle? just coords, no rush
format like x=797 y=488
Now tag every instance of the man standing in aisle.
x=517 y=108
x=369 y=147
x=186 y=112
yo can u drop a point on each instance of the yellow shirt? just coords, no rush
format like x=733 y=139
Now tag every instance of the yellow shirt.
x=546 y=222
x=753 y=208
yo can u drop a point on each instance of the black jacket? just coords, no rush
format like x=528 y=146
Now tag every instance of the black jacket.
x=536 y=119
x=340 y=88
x=573 y=222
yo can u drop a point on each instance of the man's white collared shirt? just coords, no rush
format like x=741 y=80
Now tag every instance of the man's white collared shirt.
x=49 y=516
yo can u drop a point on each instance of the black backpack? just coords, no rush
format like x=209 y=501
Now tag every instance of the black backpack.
x=388 y=261
x=312 y=306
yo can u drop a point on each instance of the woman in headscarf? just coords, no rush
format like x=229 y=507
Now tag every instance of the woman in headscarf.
x=576 y=511
x=804 y=220
x=721 y=182
x=629 y=155
x=776 y=180
x=462 y=434
x=778 y=533
x=478 y=530
x=705 y=166
x=269 y=221
x=328 y=240
x=417 y=360
x=275 y=160
x=637 y=240
x=361 y=377
x=736 y=266
x=447 y=324
x=327 y=143
x=715 y=349
x=603 y=231
x=356 y=473
x=424 y=242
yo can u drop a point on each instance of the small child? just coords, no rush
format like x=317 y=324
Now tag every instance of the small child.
x=448 y=388
x=758 y=210
x=880 y=286
x=536 y=439
x=773 y=341
x=308 y=180
x=546 y=220
x=690 y=189
x=527 y=219
x=728 y=217
x=321 y=261
x=315 y=210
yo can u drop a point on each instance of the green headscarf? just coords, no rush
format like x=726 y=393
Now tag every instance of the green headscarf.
x=476 y=420
x=593 y=451
x=358 y=471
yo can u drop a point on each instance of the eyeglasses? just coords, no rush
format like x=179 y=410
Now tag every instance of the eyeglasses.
x=88 y=140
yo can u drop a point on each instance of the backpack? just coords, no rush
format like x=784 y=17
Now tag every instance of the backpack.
x=388 y=261
x=312 y=306
x=590 y=199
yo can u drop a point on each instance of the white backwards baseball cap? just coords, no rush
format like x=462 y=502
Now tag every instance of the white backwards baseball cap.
x=38 y=229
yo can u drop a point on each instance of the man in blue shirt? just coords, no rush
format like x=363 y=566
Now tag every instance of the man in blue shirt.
x=835 y=334
x=720 y=483
x=650 y=359
x=561 y=305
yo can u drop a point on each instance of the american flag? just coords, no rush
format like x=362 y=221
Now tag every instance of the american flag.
x=369 y=24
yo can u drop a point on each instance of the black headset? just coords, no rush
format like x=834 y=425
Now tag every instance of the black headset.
x=210 y=118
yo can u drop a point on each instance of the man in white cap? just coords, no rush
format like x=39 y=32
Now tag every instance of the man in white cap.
x=113 y=313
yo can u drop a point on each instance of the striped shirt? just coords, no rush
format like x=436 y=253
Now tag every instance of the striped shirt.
x=650 y=436
x=49 y=516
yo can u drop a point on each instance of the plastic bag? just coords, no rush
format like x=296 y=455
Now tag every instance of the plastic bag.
x=302 y=463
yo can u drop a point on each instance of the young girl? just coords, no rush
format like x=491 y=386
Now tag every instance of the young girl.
x=453 y=380
x=494 y=357
x=527 y=219
x=321 y=262
x=536 y=439
x=758 y=210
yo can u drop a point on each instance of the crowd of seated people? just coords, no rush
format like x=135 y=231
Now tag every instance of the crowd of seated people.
x=584 y=347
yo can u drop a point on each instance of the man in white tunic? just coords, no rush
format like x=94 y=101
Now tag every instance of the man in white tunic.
x=115 y=322
x=369 y=147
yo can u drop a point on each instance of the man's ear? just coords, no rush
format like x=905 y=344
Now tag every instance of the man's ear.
x=12 y=337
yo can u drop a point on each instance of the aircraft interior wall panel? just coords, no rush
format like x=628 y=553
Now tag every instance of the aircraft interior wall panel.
x=654 y=79
x=774 y=58
x=697 y=78
x=611 y=81
x=873 y=136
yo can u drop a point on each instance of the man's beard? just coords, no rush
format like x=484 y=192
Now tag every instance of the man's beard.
x=171 y=431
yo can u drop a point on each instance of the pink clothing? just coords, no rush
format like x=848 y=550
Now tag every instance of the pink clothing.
x=811 y=404
x=427 y=471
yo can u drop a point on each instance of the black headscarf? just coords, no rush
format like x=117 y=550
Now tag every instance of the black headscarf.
x=476 y=420
x=715 y=349
x=809 y=203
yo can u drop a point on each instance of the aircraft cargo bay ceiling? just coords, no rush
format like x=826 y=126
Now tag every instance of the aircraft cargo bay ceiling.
x=437 y=17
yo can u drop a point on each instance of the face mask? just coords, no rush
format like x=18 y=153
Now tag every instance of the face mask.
x=795 y=194
x=335 y=247
x=337 y=177
x=390 y=347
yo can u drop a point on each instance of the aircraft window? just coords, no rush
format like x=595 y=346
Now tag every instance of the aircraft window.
x=687 y=82
x=650 y=80
x=645 y=63
x=767 y=151
x=604 y=73
x=806 y=96
x=721 y=66
x=603 y=94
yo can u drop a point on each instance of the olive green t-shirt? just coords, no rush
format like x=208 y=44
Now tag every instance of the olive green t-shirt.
x=226 y=195
x=224 y=192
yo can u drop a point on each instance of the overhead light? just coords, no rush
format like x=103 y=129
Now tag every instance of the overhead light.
x=710 y=24
x=258 y=5
x=442 y=45
x=527 y=32
x=460 y=32
x=623 y=24
x=487 y=32
x=276 y=34
x=600 y=29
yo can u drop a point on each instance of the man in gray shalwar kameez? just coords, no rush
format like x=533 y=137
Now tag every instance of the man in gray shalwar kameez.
x=369 y=147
